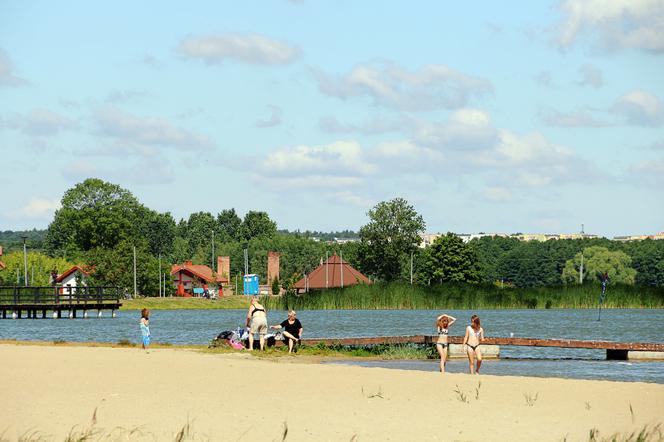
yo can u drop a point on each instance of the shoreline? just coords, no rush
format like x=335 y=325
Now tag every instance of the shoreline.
x=241 y=302
x=57 y=389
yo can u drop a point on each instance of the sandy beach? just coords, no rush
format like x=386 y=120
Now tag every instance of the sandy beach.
x=53 y=391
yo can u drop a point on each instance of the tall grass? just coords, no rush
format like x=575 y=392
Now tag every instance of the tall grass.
x=468 y=296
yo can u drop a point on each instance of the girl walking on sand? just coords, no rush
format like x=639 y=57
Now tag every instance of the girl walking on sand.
x=474 y=336
x=443 y=322
x=145 y=327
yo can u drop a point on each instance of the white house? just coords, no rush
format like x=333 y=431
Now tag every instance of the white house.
x=68 y=279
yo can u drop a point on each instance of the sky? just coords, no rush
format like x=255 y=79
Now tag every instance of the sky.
x=486 y=116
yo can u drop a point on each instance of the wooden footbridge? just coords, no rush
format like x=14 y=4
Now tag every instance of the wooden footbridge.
x=34 y=301
x=614 y=350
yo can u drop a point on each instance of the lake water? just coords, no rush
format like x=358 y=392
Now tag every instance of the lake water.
x=200 y=326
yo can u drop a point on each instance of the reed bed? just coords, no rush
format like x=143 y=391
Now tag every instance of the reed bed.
x=401 y=296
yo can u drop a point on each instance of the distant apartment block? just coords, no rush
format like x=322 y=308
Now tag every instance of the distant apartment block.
x=429 y=238
x=547 y=236
x=639 y=237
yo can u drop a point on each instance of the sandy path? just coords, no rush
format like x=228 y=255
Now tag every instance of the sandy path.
x=238 y=397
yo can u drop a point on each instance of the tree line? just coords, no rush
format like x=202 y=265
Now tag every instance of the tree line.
x=100 y=224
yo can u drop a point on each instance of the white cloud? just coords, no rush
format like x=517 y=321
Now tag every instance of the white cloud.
x=579 y=118
x=147 y=131
x=532 y=160
x=389 y=85
x=498 y=194
x=340 y=159
x=640 y=108
x=351 y=198
x=590 y=76
x=154 y=170
x=650 y=172
x=405 y=157
x=246 y=48
x=7 y=75
x=40 y=122
x=124 y=95
x=275 y=118
x=466 y=129
x=374 y=126
x=39 y=208
x=613 y=24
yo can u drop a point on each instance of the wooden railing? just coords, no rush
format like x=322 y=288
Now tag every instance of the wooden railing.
x=16 y=296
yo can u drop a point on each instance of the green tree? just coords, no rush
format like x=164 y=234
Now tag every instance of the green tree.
x=94 y=213
x=596 y=261
x=199 y=233
x=160 y=231
x=114 y=267
x=387 y=241
x=39 y=265
x=230 y=225
x=530 y=264
x=448 y=259
x=489 y=250
x=648 y=261
x=258 y=224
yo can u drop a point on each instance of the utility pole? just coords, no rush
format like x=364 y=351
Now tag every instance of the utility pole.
x=135 y=290
x=411 y=268
x=25 y=259
x=213 y=251
x=246 y=261
x=160 y=294
x=326 y=271
x=581 y=268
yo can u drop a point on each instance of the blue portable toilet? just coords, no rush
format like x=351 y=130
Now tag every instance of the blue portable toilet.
x=251 y=285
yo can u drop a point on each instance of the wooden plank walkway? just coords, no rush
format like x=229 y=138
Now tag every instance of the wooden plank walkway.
x=523 y=342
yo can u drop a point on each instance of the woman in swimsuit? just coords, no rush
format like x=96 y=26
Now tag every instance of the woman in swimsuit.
x=474 y=336
x=257 y=320
x=443 y=323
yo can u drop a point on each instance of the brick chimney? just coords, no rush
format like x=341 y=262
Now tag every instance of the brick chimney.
x=188 y=263
x=272 y=266
x=224 y=268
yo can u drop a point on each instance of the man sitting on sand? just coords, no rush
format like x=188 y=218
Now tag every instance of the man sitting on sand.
x=292 y=330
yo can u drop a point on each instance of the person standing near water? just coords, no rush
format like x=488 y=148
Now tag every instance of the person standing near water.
x=471 y=341
x=257 y=322
x=145 y=327
x=443 y=322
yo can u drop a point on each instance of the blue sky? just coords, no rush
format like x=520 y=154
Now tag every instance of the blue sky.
x=531 y=118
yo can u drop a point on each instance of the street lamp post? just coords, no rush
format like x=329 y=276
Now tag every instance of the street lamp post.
x=25 y=259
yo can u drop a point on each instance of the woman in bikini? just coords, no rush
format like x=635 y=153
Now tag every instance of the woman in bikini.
x=474 y=336
x=443 y=323
x=257 y=320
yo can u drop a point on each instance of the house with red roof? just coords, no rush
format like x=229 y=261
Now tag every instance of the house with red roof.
x=70 y=278
x=188 y=276
x=333 y=273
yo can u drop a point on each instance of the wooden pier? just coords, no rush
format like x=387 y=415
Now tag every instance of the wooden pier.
x=16 y=301
x=614 y=350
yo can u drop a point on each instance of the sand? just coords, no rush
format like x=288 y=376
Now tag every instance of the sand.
x=51 y=391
